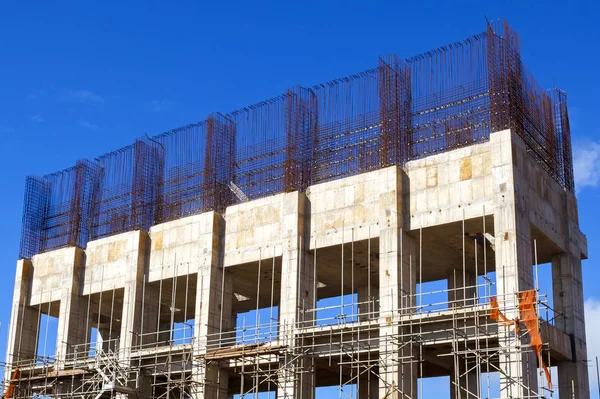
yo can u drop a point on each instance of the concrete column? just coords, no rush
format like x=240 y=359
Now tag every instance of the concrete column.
x=368 y=304
x=462 y=290
x=397 y=287
x=297 y=286
x=137 y=298
x=464 y=383
x=569 y=310
x=22 y=332
x=212 y=316
x=514 y=260
x=73 y=308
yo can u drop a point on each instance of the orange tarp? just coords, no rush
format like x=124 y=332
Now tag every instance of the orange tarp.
x=497 y=315
x=529 y=318
x=11 y=388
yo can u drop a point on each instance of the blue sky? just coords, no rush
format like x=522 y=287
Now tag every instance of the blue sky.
x=78 y=79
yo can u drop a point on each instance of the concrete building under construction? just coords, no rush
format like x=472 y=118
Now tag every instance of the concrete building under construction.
x=290 y=245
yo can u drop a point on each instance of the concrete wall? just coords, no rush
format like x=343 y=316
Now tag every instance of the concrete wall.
x=348 y=204
x=49 y=272
x=441 y=187
x=260 y=223
x=182 y=246
x=109 y=260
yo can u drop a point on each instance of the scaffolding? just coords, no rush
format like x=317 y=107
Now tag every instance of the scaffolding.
x=350 y=331
x=351 y=340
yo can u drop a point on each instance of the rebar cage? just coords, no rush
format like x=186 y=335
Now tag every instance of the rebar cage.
x=431 y=103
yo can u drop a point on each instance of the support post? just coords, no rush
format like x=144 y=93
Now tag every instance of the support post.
x=135 y=300
x=23 y=329
x=72 y=314
x=297 y=286
x=212 y=317
x=514 y=266
x=569 y=310
x=397 y=287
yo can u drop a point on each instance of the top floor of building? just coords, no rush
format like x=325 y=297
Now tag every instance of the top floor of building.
x=400 y=111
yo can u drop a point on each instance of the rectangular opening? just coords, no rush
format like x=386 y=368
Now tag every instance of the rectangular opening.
x=46 y=341
x=434 y=387
x=261 y=395
x=490 y=385
x=432 y=296
x=92 y=350
x=337 y=391
x=255 y=296
x=105 y=313
x=183 y=332
x=257 y=326
x=347 y=286
x=169 y=312
x=486 y=287
x=545 y=292
x=337 y=310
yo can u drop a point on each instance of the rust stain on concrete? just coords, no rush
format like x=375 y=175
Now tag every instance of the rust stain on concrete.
x=157 y=241
x=466 y=170
x=432 y=177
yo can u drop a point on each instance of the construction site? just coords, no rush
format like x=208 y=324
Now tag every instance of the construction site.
x=292 y=245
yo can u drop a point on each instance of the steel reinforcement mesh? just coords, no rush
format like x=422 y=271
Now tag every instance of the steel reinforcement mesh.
x=219 y=162
x=128 y=193
x=431 y=103
x=450 y=98
x=520 y=104
x=563 y=139
x=57 y=209
x=198 y=166
x=274 y=144
x=364 y=121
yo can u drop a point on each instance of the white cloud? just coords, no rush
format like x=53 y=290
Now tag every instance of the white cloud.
x=592 y=326
x=36 y=118
x=81 y=96
x=586 y=165
x=88 y=125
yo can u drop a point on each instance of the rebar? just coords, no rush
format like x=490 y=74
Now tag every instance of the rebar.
x=434 y=102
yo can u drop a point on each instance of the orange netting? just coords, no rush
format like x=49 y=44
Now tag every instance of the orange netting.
x=529 y=318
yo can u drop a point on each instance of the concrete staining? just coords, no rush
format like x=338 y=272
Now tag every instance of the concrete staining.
x=162 y=304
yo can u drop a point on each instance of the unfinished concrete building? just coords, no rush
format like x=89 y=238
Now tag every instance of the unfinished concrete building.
x=290 y=245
